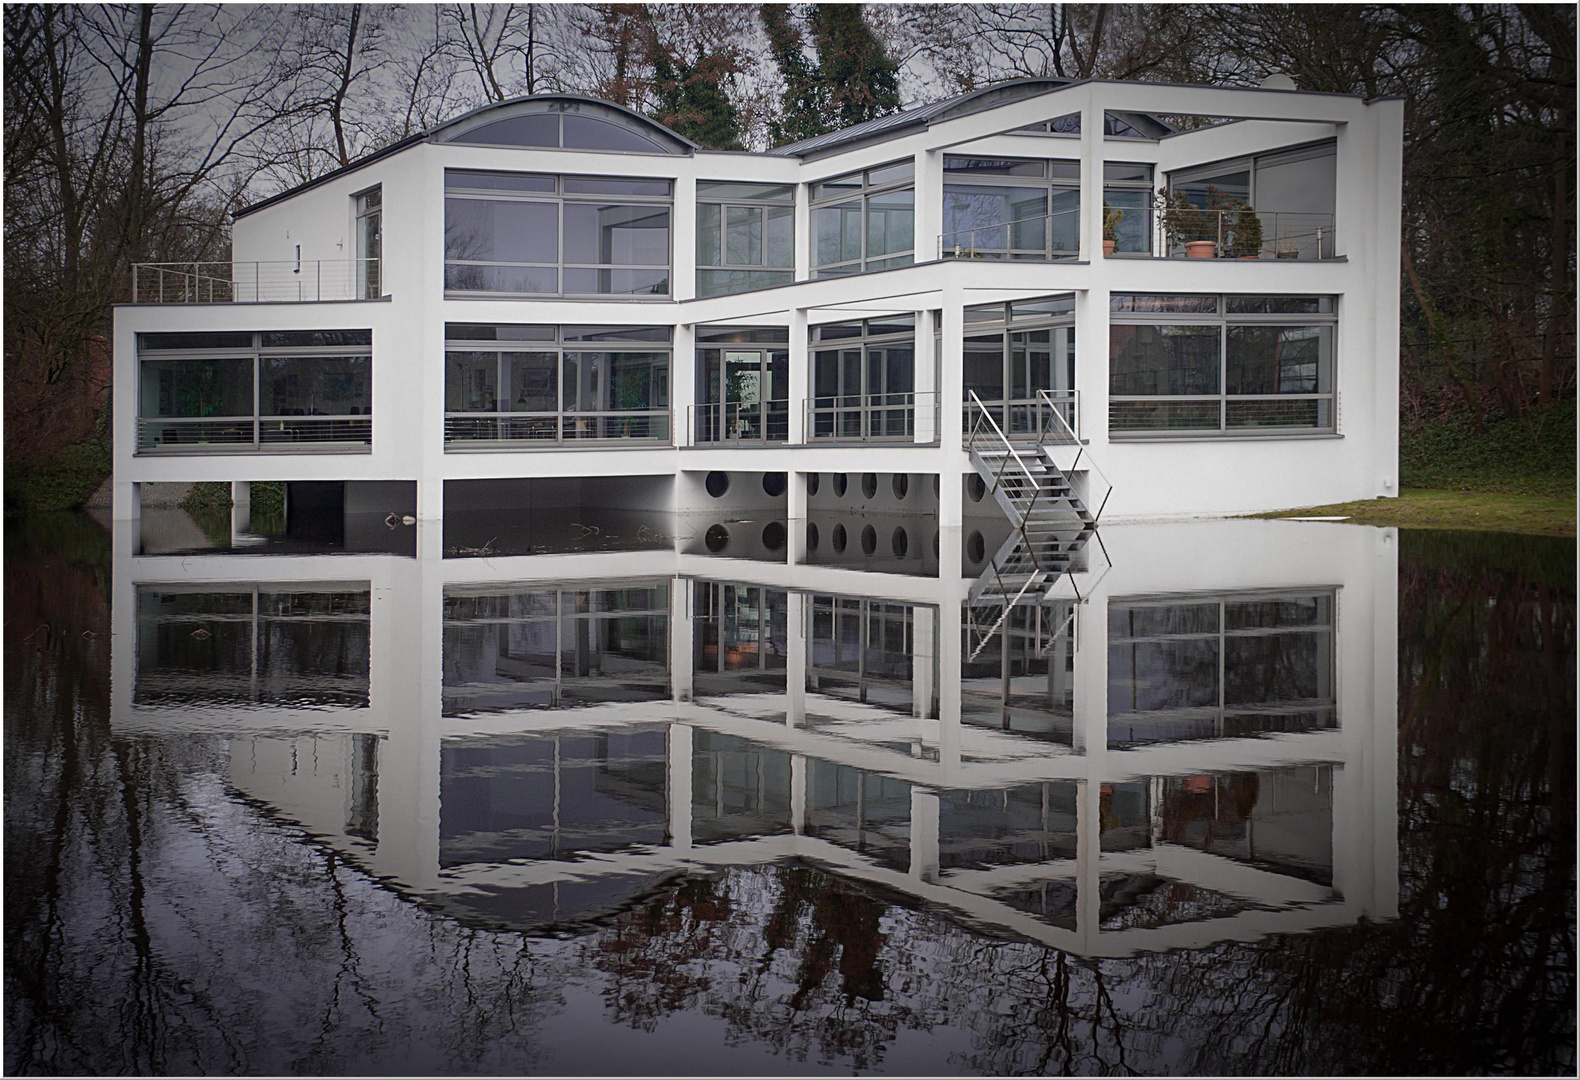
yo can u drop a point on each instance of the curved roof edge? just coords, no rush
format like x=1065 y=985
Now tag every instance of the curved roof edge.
x=509 y=103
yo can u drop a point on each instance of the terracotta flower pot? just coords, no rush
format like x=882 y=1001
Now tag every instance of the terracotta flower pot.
x=1200 y=249
x=1108 y=246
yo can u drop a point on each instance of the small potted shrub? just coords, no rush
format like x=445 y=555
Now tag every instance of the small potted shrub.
x=1245 y=230
x=1112 y=215
x=1186 y=224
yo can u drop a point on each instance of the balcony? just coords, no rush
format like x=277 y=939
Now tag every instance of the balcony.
x=244 y=434
x=1147 y=232
x=293 y=281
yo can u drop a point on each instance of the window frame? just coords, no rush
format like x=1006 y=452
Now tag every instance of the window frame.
x=727 y=203
x=269 y=433
x=1222 y=319
x=1050 y=184
x=864 y=193
x=872 y=420
x=559 y=197
x=480 y=422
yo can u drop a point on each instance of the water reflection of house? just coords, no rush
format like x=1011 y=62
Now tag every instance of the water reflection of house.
x=1199 y=748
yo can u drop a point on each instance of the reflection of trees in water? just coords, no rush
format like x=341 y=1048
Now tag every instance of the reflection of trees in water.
x=158 y=922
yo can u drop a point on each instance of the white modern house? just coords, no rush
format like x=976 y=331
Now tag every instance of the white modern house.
x=556 y=287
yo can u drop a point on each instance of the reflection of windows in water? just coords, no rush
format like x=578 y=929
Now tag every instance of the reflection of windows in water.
x=739 y=642
x=362 y=815
x=738 y=789
x=553 y=648
x=864 y=649
x=1032 y=823
x=1022 y=678
x=246 y=644
x=1277 y=819
x=1217 y=666
x=553 y=796
x=859 y=811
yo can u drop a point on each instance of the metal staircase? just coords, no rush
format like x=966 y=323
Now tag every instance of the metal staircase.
x=1052 y=520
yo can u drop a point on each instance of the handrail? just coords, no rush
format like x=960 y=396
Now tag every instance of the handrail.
x=254 y=281
x=1284 y=244
x=1013 y=453
x=1076 y=440
x=973 y=229
x=773 y=420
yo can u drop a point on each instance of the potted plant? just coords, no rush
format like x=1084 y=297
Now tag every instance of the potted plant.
x=1245 y=230
x=1187 y=224
x=1112 y=215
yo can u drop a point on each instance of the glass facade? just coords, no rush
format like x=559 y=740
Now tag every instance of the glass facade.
x=864 y=221
x=745 y=236
x=1011 y=208
x=863 y=380
x=533 y=384
x=1227 y=365
x=521 y=234
x=227 y=392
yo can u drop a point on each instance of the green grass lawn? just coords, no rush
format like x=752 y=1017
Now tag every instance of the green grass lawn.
x=1515 y=475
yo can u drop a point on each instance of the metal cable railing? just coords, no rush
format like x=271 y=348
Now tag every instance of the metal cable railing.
x=283 y=280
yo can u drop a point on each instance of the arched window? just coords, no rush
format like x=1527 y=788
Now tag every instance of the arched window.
x=568 y=123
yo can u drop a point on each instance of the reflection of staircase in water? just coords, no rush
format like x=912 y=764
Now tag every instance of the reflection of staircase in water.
x=1052 y=520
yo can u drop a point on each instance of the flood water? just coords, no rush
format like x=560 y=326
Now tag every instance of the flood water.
x=1221 y=798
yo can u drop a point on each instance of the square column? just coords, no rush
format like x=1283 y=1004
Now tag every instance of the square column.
x=1091 y=246
x=795 y=657
x=680 y=661
x=683 y=385
x=799 y=375
x=683 y=255
x=126 y=501
x=924 y=835
x=929 y=202
x=951 y=407
x=803 y=236
x=678 y=793
x=1091 y=362
x=240 y=507
x=926 y=379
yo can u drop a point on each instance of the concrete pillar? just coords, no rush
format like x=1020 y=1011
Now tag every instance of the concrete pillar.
x=924 y=835
x=126 y=500
x=800 y=373
x=951 y=405
x=795 y=657
x=924 y=658
x=1091 y=362
x=1088 y=857
x=683 y=385
x=678 y=791
x=947 y=647
x=683 y=255
x=1091 y=246
x=240 y=507
x=926 y=379
x=680 y=643
x=798 y=785
x=803 y=237
x=929 y=196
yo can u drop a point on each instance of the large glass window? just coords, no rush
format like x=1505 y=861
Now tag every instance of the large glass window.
x=864 y=380
x=1292 y=192
x=743 y=384
x=864 y=221
x=248 y=391
x=1219 y=666
x=1011 y=208
x=745 y=236
x=526 y=234
x=1230 y=365
x=528 y=384
x=1013 y=352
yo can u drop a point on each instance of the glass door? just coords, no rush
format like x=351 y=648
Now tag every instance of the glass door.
x=741 y=395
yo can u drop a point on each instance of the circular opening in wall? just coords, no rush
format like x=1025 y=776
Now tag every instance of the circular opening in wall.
x=774 y=536
x=901 y=484
x=900 y=543
x=840 y=483
x=811 y=536
x=838 y=538
x=869 y=540
x=975 y=487
x=717 y=483
x=717 y=538
x=773 y=484
x=976 y=548
x=813 y=482
x=869 y=484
